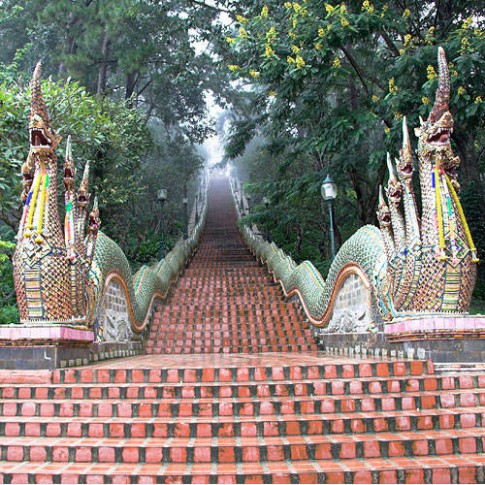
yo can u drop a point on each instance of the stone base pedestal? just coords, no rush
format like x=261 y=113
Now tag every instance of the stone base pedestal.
x=30 y=346
x=459 y=338
x=441 y=338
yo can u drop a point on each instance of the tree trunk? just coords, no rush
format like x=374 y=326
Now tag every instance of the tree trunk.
x=131 y=81
x=103 y=69
x=469 y=170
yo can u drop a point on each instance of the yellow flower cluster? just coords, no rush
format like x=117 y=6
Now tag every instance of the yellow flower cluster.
x=268 y=51
x=425 y=100
x=344 y=22
x=465 y=44
x=385 y=8
x=264 y=12
x=297 y=7
x=367 y=6
x=431 y=73
x=397 y=115
x=386 y=129
x=392 y=86
x=295 y=49
x=321 y=32
x=430 y=35
x=406 y=13
x=461 y=91
x=467 y=23
x=272 y=93
x=336 y=63
x=478 y=100
x=241 y=19
x=243 y=33
x=318 y=46
x=271 y=35
x=290 y=60
x=407 y=39
x=254 y=73
x=300 y=62
x=230 y=40
x=375 y=98
x=288 y=5
x=329 y=8
x=233 y=68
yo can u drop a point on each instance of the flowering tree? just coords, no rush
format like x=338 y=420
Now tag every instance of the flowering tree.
x=333 y=81
x=338 y=75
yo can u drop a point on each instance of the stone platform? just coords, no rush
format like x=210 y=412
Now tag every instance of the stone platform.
x=436 y=337
x=31 y=346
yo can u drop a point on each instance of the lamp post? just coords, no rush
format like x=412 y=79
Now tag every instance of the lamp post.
x=162 y=197
x=329 y=194
x=241 y=200
x=248 y=198
x=266 y=204
x=197 y=208
x=186 y=217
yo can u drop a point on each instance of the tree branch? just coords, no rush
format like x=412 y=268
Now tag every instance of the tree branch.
x=390 y=43
x=355 y=66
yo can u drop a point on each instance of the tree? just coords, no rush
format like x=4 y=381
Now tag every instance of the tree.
x=333 y=80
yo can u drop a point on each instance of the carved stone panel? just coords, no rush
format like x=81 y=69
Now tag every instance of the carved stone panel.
x=116 y=326
x=352 y=312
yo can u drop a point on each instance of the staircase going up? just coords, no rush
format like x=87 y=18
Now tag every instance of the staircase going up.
x=225 y=302
x=288 y=414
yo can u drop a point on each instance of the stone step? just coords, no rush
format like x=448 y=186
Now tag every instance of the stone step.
x=245 y=426
x=228 y=450
x=254 y=368
x=455 y=468
x=209 y=347
x=205 y=407
x=284 y=388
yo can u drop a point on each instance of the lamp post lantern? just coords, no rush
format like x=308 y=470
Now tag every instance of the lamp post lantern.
x=266 y=203
x=162 y=197
x=329 y=194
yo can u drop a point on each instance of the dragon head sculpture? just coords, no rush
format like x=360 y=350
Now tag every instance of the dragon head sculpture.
x=434 y=133
x=405 y=162
x=383 y=212
x=43 y=139
x=394 y=187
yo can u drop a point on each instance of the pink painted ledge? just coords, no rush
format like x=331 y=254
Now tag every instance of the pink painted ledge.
x=436 y=324
x=48 y=332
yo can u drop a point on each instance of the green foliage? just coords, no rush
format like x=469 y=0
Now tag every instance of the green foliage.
x=8 y=310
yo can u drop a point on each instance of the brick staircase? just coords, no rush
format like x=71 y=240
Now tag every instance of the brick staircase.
x=292 y=415
x=225 y=302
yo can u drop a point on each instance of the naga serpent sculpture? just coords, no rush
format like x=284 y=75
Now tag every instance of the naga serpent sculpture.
x=60 y=273
x=412 y=265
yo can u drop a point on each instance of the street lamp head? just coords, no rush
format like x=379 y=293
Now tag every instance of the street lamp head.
x=162 y=194
x=266 y=202
x=329 y=189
